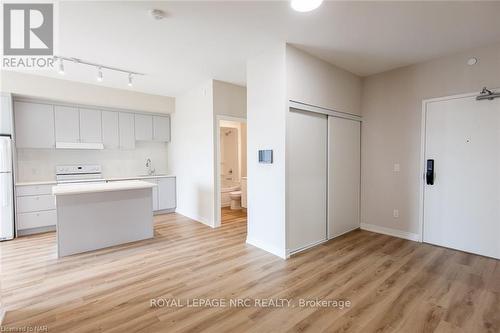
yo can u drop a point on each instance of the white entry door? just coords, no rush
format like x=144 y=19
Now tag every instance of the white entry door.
x=462 y=206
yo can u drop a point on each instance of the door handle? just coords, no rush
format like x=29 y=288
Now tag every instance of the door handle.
x=429 y=173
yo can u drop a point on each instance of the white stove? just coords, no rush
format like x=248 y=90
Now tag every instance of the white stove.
x=70 y=174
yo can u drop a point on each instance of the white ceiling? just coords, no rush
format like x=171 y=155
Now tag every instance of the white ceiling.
x=202 y=40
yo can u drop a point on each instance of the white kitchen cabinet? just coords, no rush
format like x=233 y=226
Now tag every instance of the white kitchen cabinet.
x=110 y=130
x=143 y=127
x=5 y=113
x=166 y=193
x=127 y=132
x=161 y=128
x=90 y=126
x=34 y=124
x=35 y=203
x=35 y=208
x=32 y=220
x=155 y=192
x=67 y=123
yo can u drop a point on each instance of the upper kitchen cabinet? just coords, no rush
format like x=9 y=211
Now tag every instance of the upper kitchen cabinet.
x=5 y=113
x=161 y=128
x=90 y=126
x=34 y=125
x=67 y=122
x=143 y=127
x=127 y=132
x=110 y=130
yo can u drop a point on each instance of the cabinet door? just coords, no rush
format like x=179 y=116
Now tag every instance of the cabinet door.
x=143 y=127
x=166 y=193
x=67 y=120
x=161 y=128
x=110 y=131
x=90 y=126
x=34 y=125
x=5 y=114
x=126 y=128
x=155 y=193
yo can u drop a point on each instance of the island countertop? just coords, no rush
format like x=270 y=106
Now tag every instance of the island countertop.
x=69 y=189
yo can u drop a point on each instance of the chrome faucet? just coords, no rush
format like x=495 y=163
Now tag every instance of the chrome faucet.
x=149 y=165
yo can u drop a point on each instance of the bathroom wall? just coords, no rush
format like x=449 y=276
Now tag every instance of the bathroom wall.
x=229 y=151
x=39 y=164
x=242 y=144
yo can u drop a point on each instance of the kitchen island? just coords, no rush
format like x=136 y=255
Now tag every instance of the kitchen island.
x=97 y=215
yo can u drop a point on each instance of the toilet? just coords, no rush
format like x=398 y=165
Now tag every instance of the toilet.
x=235 y=199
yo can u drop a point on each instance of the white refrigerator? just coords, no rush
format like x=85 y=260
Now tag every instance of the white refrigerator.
x=6 y=190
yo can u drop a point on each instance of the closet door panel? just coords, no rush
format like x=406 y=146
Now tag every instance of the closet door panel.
x=343 y=175
x=306 y=179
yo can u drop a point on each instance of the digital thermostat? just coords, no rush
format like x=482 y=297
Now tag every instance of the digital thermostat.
x=266 y=156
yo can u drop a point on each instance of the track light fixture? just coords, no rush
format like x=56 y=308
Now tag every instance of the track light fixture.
x=99 y=68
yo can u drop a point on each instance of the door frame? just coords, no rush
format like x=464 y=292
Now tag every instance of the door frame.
x=422 y=170
x=217 y=187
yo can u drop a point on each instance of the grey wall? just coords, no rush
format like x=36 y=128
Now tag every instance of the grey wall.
x=391 y=107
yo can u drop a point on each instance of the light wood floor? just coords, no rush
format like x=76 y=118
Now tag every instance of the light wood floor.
x=394 y=285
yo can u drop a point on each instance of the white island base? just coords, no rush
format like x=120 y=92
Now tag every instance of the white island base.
x=95 y=216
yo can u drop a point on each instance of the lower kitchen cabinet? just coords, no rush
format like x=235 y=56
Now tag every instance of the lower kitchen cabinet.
x=166 y=193
x=35 y=208
x=164 y=196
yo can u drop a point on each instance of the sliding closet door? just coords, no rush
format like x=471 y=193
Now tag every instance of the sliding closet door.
x=306 y=178
x=343 y=175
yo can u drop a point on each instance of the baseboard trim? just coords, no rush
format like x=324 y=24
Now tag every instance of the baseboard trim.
x=164 y=211
x=196 y=218
x=37 y=230
x=307 y=247
x=271 y=249
x=391 y=232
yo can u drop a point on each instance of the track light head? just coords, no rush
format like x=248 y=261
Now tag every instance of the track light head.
x=61 y=67
x=99 y=74
x=130 y=84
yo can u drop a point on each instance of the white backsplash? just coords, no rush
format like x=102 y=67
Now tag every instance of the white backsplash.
x=39 y=164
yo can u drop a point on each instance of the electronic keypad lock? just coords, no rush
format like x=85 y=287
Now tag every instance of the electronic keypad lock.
x=429 y=174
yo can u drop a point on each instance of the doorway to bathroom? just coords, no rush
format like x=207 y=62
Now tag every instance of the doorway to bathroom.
x=231 y=170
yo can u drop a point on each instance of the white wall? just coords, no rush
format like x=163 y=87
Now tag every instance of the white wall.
x=40 y=164
x=391 y=110
x=83 y=93
x=267 y=107
x=313 y=81
x=191 y=153
x=229 y=99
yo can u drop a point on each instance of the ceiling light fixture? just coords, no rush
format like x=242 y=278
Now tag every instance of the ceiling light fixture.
x=99 y=68
x=305 y=5
x=99 y=74
x=61 y=67
x=157 y=14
